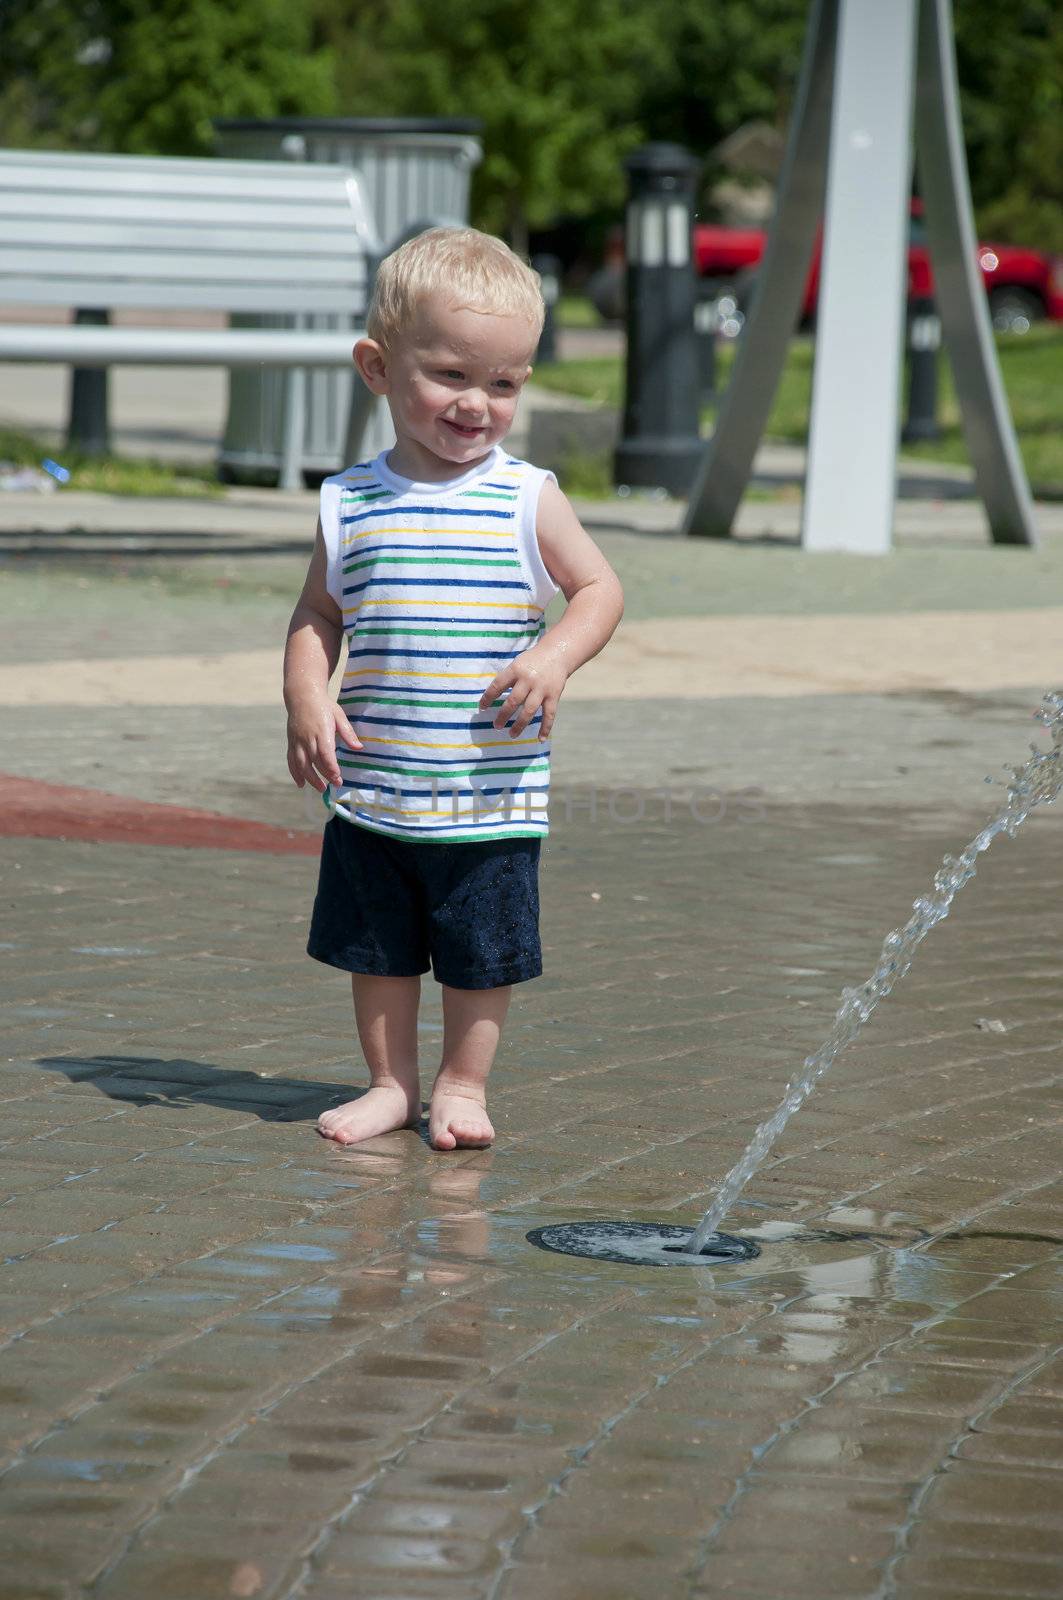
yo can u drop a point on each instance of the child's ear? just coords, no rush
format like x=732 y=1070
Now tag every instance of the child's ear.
x=371 y=362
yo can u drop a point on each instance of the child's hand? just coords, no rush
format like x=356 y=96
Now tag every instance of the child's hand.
x=313 y=724
x=533 y=681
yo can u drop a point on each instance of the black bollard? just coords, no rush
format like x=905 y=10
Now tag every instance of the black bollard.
x=924 y=342
x=88 y=426
x=549 y=270
x=659 y=445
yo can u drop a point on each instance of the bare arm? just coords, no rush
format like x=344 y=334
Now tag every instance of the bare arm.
x=315 y=635
x=595 y=605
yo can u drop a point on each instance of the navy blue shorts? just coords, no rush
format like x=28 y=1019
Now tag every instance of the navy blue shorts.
x=391 y=908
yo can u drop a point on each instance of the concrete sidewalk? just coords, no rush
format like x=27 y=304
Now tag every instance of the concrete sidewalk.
x=239 y=1361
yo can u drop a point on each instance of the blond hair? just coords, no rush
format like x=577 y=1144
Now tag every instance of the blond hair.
x=475 y=270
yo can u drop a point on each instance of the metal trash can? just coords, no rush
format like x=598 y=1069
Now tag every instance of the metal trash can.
x=413 y=168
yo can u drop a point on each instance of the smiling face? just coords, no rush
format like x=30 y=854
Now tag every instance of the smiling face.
x=452 y=383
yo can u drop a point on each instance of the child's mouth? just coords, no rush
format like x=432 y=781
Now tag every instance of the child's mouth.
x=460 y=428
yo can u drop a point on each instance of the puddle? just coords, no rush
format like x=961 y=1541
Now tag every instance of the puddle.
x=111 y=950
x=292 y=1252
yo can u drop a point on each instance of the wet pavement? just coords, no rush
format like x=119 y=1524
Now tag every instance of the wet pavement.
x=238 y=1361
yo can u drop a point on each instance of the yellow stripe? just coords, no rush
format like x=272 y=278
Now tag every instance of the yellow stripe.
x=371 y=672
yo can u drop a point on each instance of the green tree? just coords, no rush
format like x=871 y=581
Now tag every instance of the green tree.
x=724 y=64
x=1010 y=61
x=149 y=75
x=557 y=85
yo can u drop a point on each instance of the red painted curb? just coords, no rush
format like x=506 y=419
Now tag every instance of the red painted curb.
x=31 y=810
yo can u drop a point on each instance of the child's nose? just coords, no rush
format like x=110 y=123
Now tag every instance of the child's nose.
x=473 y=401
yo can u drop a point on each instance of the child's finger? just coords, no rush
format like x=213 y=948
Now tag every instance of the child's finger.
x=346 y=732
x=498 y=685
x=327 y=765
x=549 y=713
x=531 y=706
x=511 y=706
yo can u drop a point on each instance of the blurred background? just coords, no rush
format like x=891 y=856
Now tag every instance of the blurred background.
x=563 y=91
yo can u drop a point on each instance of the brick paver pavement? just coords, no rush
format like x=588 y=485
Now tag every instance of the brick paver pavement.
x=241 y=1361
x=238 y=1361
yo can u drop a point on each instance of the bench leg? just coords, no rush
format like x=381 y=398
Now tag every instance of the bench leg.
x=369 y=428
x=88 y=423
x=293 y=429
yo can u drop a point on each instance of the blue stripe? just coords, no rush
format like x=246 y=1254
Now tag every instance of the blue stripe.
x=415 y=722
x=520 y=623
x=428 y=511
x=400 y=582
x=385 y=789
x=379 y=549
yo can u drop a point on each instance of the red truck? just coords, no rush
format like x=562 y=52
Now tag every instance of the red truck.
x=1024 y=285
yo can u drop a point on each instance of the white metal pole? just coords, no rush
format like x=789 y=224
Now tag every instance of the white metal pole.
x=852 y=454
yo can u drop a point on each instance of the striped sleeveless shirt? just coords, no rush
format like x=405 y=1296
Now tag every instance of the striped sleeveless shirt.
x=440 y=585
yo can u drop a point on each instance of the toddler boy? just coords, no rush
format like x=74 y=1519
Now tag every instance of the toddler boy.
x=437 y=561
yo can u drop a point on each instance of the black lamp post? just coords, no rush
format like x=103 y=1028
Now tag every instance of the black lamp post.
x=659 y=445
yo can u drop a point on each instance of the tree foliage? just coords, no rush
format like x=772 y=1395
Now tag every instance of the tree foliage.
x=149 y=75
x=564 y=88
x=1010 y=61
x=557 y=85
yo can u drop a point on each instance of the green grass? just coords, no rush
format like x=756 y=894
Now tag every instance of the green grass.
x=595 y=378
x=1031 y=365
x=112 y=474
x=575 y=311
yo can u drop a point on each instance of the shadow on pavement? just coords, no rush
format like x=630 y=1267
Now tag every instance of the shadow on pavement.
x=153 y=1080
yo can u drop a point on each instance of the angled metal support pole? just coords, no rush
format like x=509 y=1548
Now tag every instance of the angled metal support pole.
x=727 y=463
x=961 y=297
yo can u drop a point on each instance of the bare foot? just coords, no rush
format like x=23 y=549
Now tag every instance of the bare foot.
x=458 y=1120
x=382 y=1109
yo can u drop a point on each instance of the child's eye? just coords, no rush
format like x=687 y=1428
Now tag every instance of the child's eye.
x=504 y=383
x=452 y=372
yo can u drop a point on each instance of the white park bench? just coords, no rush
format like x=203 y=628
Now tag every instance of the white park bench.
x=154 y=233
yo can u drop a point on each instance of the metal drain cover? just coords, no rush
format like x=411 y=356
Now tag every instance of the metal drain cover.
x=642 y=1244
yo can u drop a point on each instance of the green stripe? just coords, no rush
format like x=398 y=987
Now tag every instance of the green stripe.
x=485 y=494
x=434 y=561
x=400 y=700
x=353 y=499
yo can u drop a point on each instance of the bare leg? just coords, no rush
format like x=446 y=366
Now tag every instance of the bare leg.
x=385 y=1010
x=472 y=1026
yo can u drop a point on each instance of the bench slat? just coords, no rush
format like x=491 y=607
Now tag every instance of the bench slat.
x=192 y=265
x=220 y=180
x=284 y=299
x=197 y=347
x=77 y=210
x=337 y=251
